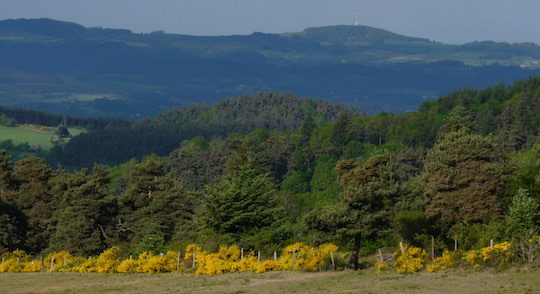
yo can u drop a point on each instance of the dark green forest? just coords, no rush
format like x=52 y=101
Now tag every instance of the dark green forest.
x=270 y=111
x=272 y=169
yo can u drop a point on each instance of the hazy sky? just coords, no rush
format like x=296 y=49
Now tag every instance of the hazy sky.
x=451 y=21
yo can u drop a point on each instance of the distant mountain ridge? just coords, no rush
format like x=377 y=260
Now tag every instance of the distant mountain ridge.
x=64 y=67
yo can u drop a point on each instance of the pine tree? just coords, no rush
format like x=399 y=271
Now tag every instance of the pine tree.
x=12 y=227
x=463 y=175
x=340 y=132
x=84 y=218
x=363 y=210
x=155 y=204
x=243 y=201
x=31 y=175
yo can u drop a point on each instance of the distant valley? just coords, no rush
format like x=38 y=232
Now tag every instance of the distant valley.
x=64 y=67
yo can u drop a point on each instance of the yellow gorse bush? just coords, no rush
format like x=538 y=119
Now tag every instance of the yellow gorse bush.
x=60 y=261
x=411 y=259
x=500 y=254
x=447 y=260
x=297 y=256
x=380 y=267
x=228 y=259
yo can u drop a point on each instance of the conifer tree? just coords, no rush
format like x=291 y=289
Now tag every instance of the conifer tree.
x=243 y=201
x=84 y=218
x=154 y=204
x=31 y=175
x=464 y=174
x=12 y=227
x=363 y=210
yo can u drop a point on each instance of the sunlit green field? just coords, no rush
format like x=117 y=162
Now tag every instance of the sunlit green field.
x=23 y=135
x=510 y=281
x=30 y=135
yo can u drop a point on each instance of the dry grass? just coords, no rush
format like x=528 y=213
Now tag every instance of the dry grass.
x=510 y=281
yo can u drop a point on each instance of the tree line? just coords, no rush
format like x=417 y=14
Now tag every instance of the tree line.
x=464 y=167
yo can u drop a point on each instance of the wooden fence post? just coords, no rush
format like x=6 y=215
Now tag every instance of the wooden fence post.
x=275 y=256
x=241 y=253
x=333 y=262
x=455 y=245
x=491 y=243
x=259 y=255
x=193 y=264
x=401 y=247
x=178 y=262
x=52 y=265
x=380 y=256
x=432 y=248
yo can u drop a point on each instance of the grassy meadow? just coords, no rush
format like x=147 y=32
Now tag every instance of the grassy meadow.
x=31 y=134
x=509 y=281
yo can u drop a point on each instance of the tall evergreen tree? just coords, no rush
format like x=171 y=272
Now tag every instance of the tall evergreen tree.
x=243 y=202
x=340 y=132
x=154 y=204
x=84 y=218
x=463 y=175
x=12 y=227
x=363 y=210
x=31 y=175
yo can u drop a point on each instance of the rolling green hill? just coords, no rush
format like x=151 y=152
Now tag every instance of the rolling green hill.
x=64 y=67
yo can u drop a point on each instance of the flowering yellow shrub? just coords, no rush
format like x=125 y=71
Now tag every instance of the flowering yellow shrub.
x=380 y=267
x=18 y=261
x=61 y=261
x=248 y=264
x=159 y=264
x=12 y=266
x=500 y=254
x=268 y=265
x=411 y=260
x=190 y=250
x=298 y=256
x=32 y=266
x=86 y=266
x=106 y=262
x=225 y=260
x=128 y=266
x=447 y=260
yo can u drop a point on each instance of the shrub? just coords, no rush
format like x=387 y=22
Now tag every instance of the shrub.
x=447 y=260
x=499 y=255
x=412 y=259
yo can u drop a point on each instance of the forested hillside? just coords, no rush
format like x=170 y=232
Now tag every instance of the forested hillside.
x=271 y=111
x=64 y=67
x=465 y=167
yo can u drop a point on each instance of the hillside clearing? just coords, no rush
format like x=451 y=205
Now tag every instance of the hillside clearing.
x=31 y=134
x=511 y=281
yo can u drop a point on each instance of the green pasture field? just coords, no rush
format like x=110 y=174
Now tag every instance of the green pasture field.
x=509 y=281
x=24 y=134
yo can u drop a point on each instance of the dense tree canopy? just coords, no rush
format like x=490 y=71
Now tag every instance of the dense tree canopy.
x=451 y=170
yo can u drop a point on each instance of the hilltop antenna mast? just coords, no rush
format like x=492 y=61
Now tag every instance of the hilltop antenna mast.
x=356 y=22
